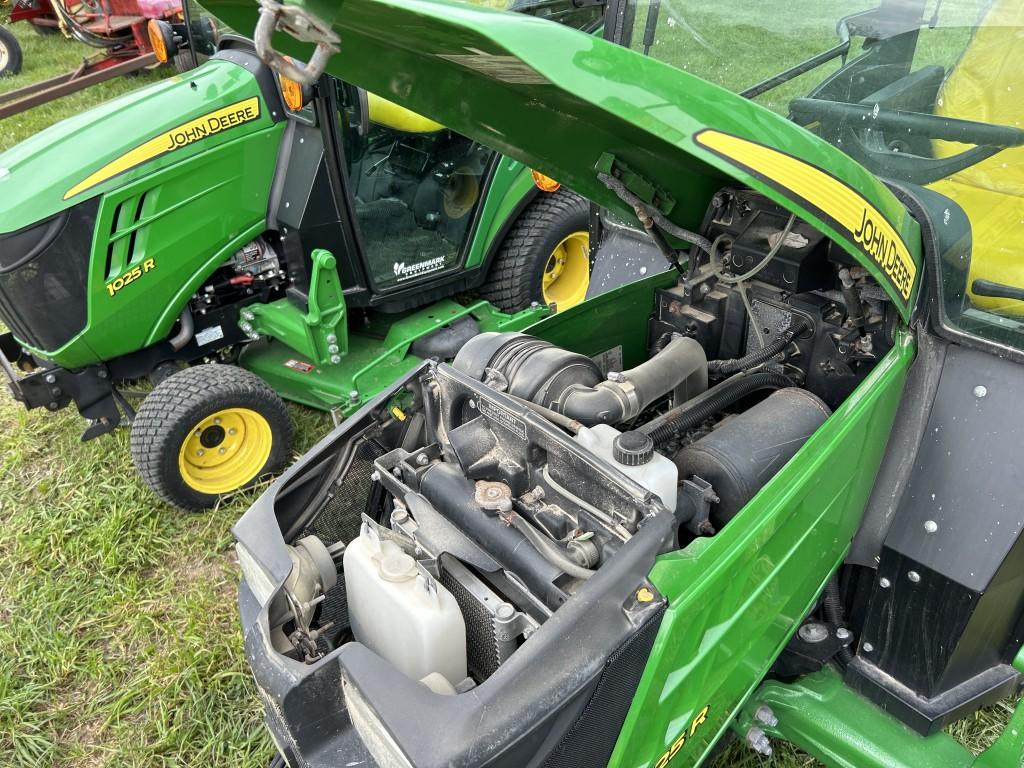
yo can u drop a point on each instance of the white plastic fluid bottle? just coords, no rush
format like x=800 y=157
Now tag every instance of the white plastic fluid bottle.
x=633 y=453
x=400 y=613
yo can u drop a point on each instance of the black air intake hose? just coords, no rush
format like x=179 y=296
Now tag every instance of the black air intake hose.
x=572 y=384
x=688 y=415
x=763 y=355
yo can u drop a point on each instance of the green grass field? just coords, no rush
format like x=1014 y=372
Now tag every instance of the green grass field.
x=117 y=613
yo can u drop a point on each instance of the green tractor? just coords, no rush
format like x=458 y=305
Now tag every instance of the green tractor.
x=314 y=238
x=772 y=495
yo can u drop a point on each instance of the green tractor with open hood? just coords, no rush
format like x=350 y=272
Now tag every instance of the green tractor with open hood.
x=772 y=493
x=308 y=242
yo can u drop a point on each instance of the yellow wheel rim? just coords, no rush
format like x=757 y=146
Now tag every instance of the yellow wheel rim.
x=225 y=450
x=567 y=273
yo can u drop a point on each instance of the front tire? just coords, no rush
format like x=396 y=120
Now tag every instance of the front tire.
x=10 y=53
x=545 y=257
x=208 y=431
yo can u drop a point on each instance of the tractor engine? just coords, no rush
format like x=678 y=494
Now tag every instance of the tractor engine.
x=481 y=517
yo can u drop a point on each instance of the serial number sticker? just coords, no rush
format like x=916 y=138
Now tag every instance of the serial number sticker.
x=499 y=415
x=299 y=365
x=609 y=360
x=209 y=335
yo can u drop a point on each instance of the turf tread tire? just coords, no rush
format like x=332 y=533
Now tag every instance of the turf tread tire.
x=516 y=274
x=181 y=401
x=14 y=55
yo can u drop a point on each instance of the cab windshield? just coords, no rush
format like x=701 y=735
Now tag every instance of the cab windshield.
x=921 y=92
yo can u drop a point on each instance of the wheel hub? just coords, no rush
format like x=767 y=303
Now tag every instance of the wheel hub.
x=225 y=451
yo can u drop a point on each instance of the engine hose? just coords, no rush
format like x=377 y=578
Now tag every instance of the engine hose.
x=547 y=548
x=832 y=605
x=693 y=412
x=763 y=355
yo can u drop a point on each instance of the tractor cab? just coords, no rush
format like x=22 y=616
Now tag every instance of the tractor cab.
x=416 y=201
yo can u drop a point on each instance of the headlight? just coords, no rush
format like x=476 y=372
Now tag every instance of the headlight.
x=255 y=575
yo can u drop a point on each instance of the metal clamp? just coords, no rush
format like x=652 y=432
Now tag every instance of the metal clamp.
x=303 y=26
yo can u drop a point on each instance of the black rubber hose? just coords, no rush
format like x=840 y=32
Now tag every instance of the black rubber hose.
x=832 y=605
x=547 y=548
x=763 y=355
x=691 y=413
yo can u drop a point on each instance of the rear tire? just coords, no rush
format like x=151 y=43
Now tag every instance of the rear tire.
x=551 y=234
x=10 y=53
x=208 y=431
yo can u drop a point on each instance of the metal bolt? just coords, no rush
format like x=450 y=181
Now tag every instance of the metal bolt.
x=375 y=476
x=704 y=289
x=758 y=741
x=101 y=373
x=616 y=377
x=472 y=404
x=335 y=359
x=245 y=327
x=423 y=459
x=332 y=339
x=200 y=452
x=222 y=451
x=914 y=576
x=51 y=379
x=198 y=432
x=216 y=421
x=399 y=516
x=884 y=583
x=765 y=715
x=231 y=431
x=813 y=632
x=930 y=526
x=333 y=349
x=247 y=315
x=505 y=611
x=867 y=647
x=354 y=395
x=980 y=391
x=843 y=634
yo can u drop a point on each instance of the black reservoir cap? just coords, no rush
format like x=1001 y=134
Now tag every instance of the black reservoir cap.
x=633 y=448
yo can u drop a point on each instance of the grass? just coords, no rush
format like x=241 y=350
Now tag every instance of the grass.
x=117 y=613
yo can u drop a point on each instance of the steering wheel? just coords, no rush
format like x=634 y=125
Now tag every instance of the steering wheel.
x=871 y=150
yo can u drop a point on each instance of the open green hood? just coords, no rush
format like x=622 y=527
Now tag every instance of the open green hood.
x=565 y=103
x=130 y=136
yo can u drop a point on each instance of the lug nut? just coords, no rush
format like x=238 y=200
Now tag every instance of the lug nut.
x=222 y=451
x=231 y=431
x=200 y=452
x=765 y=715
x=759 y=742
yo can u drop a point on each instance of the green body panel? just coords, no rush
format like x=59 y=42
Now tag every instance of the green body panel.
x=47 y=165
x=378 y=353
x=558 y=100
x=765 y=571
x=509 y=186
x=616 y=319
x=169 y=222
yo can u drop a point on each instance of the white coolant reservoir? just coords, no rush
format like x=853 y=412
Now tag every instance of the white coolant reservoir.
x=633 y=453
x=400 y=613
